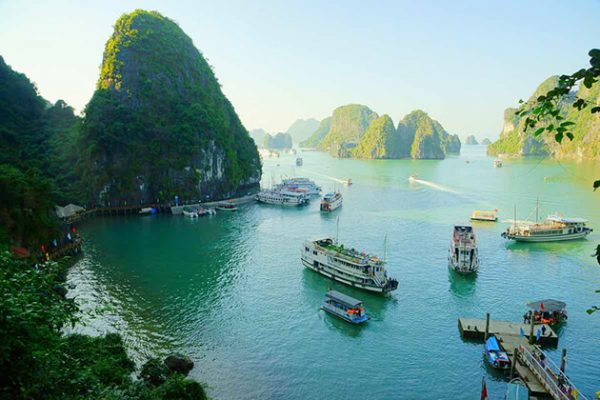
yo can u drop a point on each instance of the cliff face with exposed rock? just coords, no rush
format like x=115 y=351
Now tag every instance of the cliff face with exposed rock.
x=158 y=124
x=422 y=137
x=515 y=141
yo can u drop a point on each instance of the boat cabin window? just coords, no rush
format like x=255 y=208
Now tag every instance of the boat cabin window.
x=314 y=252
x=307 y=249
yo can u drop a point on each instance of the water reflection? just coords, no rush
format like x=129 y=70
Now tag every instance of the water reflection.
x=462 y=285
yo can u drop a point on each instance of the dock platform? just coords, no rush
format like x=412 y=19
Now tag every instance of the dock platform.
x=472 y=328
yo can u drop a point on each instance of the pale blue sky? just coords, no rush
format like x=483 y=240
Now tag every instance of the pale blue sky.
x=463 y=62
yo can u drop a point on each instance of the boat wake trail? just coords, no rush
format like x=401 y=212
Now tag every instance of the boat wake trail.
x=324 y=176
x=433 y=185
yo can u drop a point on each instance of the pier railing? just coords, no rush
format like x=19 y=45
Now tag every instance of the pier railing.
x=554 y=380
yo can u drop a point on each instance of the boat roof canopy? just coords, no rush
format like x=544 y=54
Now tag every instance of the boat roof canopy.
x=557 y=218
x=492 y=344
x=550 y=305
x=342 y=298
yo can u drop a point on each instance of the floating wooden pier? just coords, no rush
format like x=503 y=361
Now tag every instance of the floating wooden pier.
x=541 y=376
x=472 y=328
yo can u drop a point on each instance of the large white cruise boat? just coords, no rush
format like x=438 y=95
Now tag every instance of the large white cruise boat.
x=360 y=270
x=554 y=228
x=301 y=184
x=282 y=197
x=463 y=255
x=331 y=201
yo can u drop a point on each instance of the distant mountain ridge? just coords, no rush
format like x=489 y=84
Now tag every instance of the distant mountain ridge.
x=356 y=131
x=301 y=129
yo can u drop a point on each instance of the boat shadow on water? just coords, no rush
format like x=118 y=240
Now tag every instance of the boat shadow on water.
x=462 y=285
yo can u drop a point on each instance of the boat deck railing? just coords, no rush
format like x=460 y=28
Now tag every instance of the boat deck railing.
x=551 y=377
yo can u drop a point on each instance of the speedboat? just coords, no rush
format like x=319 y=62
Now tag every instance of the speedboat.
x=412 y=178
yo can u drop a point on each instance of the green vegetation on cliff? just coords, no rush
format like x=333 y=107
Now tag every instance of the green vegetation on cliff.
x=424 y=138
x=158 y=124
x=515 y=140
x=37 y=155
x=318 y=135
x=380 y=141
x=348 y=125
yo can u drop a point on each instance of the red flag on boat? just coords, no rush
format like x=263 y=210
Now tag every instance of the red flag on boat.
x=542 y=306
x=483 y=389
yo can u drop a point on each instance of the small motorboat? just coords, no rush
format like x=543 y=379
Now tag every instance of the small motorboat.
x=206 y=211
x=345 y=307
x=148 y=211
x=226 y=207
x=190 y=212
x=347 y=181
x=489 y=216
x=547 y=311
x=412 y=178
x=495 y=353
x=497 y=163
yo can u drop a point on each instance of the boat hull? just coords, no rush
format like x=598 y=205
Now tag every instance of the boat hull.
x=278 y=203
x=332 y=275
x=547 y=238
x=343 y=316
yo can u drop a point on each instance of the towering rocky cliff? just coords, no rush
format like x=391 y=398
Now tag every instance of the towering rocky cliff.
x=158 y=124
x=380 y=141
x=486 y=141
x=515 y=141
x=318 y=135
x=424 y=138
x=301 y=129
x=348 y=124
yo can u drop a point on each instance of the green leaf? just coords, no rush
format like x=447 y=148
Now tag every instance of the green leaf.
x=539 y=131
x=595 y=109
x=558 y=137
x=567 y=123
x=550 y=128
x=596 y=185
x=570 y=135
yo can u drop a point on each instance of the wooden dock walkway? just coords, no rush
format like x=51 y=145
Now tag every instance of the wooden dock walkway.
x=472 y=328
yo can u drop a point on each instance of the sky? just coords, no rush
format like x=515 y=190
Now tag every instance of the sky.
x=463 y=62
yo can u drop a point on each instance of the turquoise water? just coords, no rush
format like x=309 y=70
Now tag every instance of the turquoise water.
x=230 y=290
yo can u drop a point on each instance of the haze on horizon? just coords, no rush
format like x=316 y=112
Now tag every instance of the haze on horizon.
x=462 y=62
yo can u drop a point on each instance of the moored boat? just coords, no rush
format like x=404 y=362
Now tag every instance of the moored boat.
x=495 y=353
x=206 y=211
x=148 y=211
x=302 y=184
x=479 y=215
x=554 y=228
x=345 y=307
x=331 y=201
x=299 y=162
x=226 y=207
x=463 y=255
x=547 y=311
x=357 y=269
x=281 y=197
x=190 y=212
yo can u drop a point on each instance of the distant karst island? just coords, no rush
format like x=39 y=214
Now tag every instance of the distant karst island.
x=356 y=131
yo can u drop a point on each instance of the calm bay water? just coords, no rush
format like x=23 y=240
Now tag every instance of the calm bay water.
x=230 y=290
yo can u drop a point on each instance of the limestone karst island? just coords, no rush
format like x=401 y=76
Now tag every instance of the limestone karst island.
x=268 y=200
